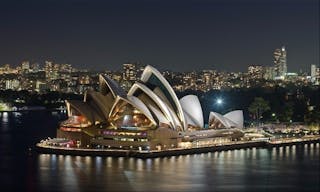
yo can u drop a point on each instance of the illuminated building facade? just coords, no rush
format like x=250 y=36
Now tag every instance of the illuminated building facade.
x=256 y=71
x=315 y=74
x=129 y=72
x=149 y=116
x=280 y=62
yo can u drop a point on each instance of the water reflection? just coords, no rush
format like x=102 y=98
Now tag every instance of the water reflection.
x=4 y=121
x=293 y=168
x=240 y=170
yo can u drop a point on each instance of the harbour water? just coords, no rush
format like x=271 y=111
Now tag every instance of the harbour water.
x=294 y=168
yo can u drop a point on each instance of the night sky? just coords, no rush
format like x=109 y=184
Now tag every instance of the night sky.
x=179 y=35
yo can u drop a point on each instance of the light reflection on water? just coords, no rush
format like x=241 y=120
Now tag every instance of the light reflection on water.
x=240 y=170
x=4 y=121
x=294 y=168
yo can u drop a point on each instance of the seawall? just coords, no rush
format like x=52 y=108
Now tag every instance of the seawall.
x=164 y=153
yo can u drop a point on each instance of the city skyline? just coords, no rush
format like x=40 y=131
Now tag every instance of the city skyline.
x=168 y=35
x=65 y=78
x=276 y=55
x=279 y=59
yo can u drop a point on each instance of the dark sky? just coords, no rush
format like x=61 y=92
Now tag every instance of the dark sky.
x=179 y=35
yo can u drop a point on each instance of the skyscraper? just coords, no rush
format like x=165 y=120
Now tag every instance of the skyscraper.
x=313 y=70
x=315 y=74
x=280 y=62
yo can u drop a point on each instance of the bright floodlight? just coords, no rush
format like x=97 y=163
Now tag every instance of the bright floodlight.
x=219 y=101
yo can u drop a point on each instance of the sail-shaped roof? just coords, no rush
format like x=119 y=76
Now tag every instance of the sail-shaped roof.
x=192 y=108
x=153 y=79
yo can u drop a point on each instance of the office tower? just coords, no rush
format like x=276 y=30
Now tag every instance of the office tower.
x=51 y=70
x=25 y=67
x=12 y=84
x=269 y=73
x=280 y=62
x=315 y=74
x=313 y=71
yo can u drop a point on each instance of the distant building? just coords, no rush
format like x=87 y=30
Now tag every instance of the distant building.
x=65 y=68
x=12 y=84
x=129 y=72
x=25 y=67
x=5 y=69
x=256 y=71
x=207 y=79
x=41 y=87
x=51 y=70
x=269 y=73
x=280 y=62
x=315 y=74
x=313 y=70
x=35 y=67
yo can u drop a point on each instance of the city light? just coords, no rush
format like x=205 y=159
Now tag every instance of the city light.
x=219 y=101
x=4 y=107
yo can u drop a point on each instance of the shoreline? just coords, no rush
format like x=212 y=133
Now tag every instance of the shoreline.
x=169 y=152
x=27 y=110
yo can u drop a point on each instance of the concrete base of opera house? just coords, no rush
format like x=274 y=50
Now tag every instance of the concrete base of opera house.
x=169 y=152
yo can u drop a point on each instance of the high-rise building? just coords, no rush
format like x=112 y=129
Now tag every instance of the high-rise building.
x=129 y=72
x=269 y=73
x=313 y=70
x=315 y=74
x=35 y=67
x=317 y=81
x=208 y=76
x=65 y=68
x=51 y=70
x=280 y=62
x=25 y=66
x=12 y=84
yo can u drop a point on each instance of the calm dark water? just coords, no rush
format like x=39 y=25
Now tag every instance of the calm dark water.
x=293 y=168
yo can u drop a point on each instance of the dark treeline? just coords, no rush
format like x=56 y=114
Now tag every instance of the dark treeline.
x=22 y=98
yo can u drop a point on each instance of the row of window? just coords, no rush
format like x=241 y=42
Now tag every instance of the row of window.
x=126 y=139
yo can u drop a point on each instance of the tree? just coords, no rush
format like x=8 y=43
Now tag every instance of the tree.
x=3 y=106
x=312 y=117
x=258 y=107
x=287 y=112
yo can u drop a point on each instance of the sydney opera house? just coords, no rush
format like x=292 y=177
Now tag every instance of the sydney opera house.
x=148 y=116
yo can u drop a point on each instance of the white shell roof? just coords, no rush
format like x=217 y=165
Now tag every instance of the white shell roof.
x=235 y=116
x=165 y=110
x=148 y=71
x=159 y=114
x=226 y=121
x=192 y=109
x=141 y=106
